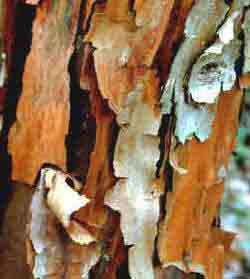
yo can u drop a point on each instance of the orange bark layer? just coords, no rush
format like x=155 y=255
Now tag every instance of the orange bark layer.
x=115 y=25
x=124 y=42
x=38 y=135
x=245 y=81
x=96 y=216
x=100 y=176
x=125 y=47
x=196 y=195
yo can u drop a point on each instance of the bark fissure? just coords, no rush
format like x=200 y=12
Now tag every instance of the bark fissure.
x=21 y=47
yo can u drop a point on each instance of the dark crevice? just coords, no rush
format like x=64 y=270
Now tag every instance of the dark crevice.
x=162 y=133
x=228 y=2
x=82 y=129
x=79 y=30
x=172 y=272
x=164 y=169
x=80 y=140
x=70 y=182
x=173 y=47
x=216 y=222
x=169 y=177
x=164 y=163
x=240 y=61
x=110 y=251
x=131 y=5
x=156 y=258
x=114 y=133
x=123 y=270
x=163 y=166
x=196 y=275
x=97 y=2
x=24 y=16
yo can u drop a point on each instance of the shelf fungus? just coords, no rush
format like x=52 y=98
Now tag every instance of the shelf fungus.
x=137 y=192
x=53 y=203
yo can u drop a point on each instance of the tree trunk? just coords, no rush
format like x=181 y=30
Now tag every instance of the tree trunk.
x=119 y=119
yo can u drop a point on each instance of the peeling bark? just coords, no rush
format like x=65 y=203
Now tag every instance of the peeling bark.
x=136 y=194
x=196 y=194
x=139 y=63
x=51 y=232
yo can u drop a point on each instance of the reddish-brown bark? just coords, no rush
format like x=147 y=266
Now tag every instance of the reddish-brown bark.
x=38 y=136
x=125 y=50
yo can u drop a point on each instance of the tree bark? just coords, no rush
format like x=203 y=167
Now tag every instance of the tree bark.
x=121 y=137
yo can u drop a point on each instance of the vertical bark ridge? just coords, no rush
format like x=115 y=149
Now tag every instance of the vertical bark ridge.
x=43 y=105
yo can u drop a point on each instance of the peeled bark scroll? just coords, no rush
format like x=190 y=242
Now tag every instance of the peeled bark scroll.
x=159 y=83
